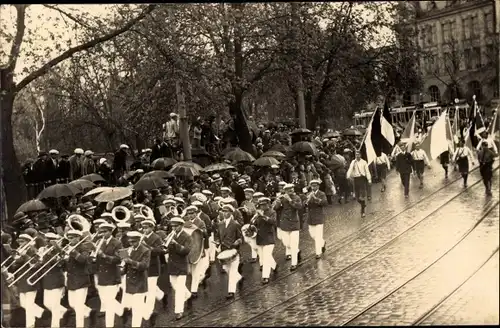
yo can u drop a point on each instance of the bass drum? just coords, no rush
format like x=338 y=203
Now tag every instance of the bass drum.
x=196 y=245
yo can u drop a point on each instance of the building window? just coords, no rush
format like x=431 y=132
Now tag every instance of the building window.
x=434 y=93
x=488 y=21
x=475 y=26
x=467 y=59
x=475 y=88
x=476 y=58
x=446 y=28
x=490 y=54
x=467 y=27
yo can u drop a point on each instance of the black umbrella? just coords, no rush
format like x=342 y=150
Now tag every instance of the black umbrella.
x=352 y=132
x=158 y=174
x=281 y=148
x=82 y=184
x=301 y=131
x=305 y=147
x=199 y=152
x=33 y=205
x=333 y=134
x=93 y=177
x=238 y=156
x=150 y=183
x=58 y=190
x=274 y=153
x=163 y=163
x=218 y=167
x=266 y=161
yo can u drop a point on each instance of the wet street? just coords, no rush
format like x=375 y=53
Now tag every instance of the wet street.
x=429 y=259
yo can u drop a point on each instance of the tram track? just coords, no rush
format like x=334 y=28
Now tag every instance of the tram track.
x=436 y=306
x=424 y=270
x=338 y=245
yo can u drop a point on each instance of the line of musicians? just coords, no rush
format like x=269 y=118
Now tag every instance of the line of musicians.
x=127 y=255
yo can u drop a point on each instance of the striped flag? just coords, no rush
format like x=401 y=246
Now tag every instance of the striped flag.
x=493 y=128
x=449 y=134
x=379 y=136
x=476 y=124
x=408 y=135
x=435 y=143
x=367 y=150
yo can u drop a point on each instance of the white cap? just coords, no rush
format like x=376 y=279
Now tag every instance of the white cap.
x=169 y=201
x=148 y=221
x=242 y=181
x=25 y=236
x=78 y=151
x=134 y=234
x=107 y=225
x=258 y=194
x=274 y=166
x=106 y=215
x=217 y=198
x=54 y=152
x=123 y=225
x=51 y=235
x=140 y=217
x=250 y=190
x=99 y=221
x=305 y=190
x=180 y=200
x=123 y=146
x=74 y=232
x=230 y=207
x=282 y=183
x=225 y=189
x=264 y=199
x=197 y=203
x=177 y=219
x=89 y=152
x=173 y=114
x=314 y=181
x=207 y=192
x=102 y=160
x=289 y=185
x=191 y=208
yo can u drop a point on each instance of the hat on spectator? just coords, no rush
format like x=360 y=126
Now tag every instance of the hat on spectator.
x=53 y=152
x=78 y=151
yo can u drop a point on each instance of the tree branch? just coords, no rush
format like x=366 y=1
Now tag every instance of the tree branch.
x=18 y=39
x=87 y=45
x=73 y=18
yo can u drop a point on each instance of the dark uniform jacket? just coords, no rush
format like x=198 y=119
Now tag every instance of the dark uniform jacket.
x=266 y=228
x=208 y=229
x=22 y=284
x=54 y=279
x=63 y=170
x=289 y=213
x=108 y=270
x=137 y=270
x=154 y=243
x=178 y=254
x=228 y=236
x=77 y=267
x=404 y=163
x=51 y=170
x=315 y=208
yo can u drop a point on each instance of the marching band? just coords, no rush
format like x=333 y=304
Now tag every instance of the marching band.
x=123 y=252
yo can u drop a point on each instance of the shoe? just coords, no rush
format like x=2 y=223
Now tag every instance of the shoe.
x=230 y=296
x=299 y=257
x=152 y=319
x=194 y=295
x=240 y=283
x=318 y=257
x=288 y=257
x=179 y=316
x=406 y=196
x=421 y=186
x=93 y=318
x=253 y=260
x=363 y=215
x=127 y=313
x=293 y=268
x=323 y=249
x=265 y=281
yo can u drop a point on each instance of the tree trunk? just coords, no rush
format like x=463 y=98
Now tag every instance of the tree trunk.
x=11 y=173
x=310 y=115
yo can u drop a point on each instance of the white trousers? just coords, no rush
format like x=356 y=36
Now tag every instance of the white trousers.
x=278 y=233
x=137 y=304
x=181 y=293
x=267 y=259
x=123 y=285
x=212 y=248
x=109 y=305
x=233 y=276
x=316 y=232
x=154 y=293
x=52 y=301
x=76 y=299
x=253 y=246
x=33 y=311
x=290 y=240
x=198 y=271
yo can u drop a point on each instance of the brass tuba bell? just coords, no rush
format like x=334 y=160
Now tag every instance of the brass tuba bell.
x=78 y=222
x=121 y=214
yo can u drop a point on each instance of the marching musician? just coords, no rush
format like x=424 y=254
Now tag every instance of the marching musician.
x=206 y=239
x=136 y=261
x=78 y=278
x=229 y=236
x=265 y=222
x=316 y=201
x=154 y=243
x=178 y=251
x=53 y=282
x=197 y=270
x=108 y=272
x=288 y=205
x=122 y=228
x=248 y=204
x=87 y=210
x=27 y=293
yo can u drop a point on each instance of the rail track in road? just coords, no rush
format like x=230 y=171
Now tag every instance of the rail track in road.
x=343 y=244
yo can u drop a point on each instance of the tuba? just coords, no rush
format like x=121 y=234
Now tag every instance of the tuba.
x=144 y=210
x=121 y=214
x=78 y=222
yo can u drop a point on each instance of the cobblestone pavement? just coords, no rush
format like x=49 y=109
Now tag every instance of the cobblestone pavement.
x=412 y=301
x=338 y=299
x=314 y=272
x=474 y=303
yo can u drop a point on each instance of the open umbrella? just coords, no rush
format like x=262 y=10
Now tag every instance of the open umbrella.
x=150 y=183
x=163 y=163
x=352 y=132
x=199 y=152
x=97 y=191
x=228 y=150
x=305 y=147
x=158 y=174
x=33 y=205
x=332 y=134
x=218 y=167
x=82 y=184
x=93 y=177
x=281 y=148
x=274 y=153
x=116 y=193
x=300 y=131
x=185 y=171
x=189 y=164
x=266 y=161
x=58 y=190
x=238 y=156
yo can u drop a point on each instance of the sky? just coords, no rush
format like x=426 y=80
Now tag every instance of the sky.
x=43 y=22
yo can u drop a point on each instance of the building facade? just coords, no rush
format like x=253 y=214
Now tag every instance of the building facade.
x=459 y=41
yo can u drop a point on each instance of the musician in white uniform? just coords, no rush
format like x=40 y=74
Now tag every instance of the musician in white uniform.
x=316 y=201
x=265 y=222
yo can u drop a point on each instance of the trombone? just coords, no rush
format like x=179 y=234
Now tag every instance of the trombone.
x=57 y=257
x=18 y=253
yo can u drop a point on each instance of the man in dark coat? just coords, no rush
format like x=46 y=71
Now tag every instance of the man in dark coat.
x=52 y=165
x=404 y=165
x=120 y=161
x=75 y=162
x=178 y=251
x=40 y=171
x=316 y=200
x=486 y=157
x=63 y=169
x=265 y=222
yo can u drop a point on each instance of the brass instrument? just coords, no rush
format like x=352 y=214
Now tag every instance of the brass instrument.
x=19 y=252
x=78 y=222
x=93 y=255
x=311 y=195
x=169 y=239
x=144 y=210
x=121 y=214
x=18 y=274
